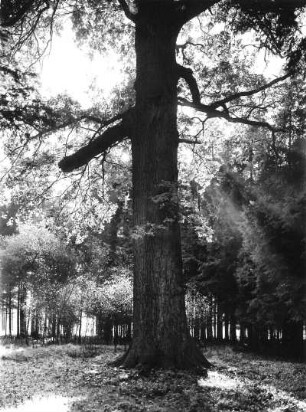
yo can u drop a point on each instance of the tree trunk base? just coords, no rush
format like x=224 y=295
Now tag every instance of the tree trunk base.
x=187 y=357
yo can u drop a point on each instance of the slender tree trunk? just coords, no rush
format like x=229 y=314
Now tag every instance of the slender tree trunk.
x=219 y=324
x=203 y=331
x=53 y=328
x=242 y=332
x=160 y=336
x=80 y=329
x=108 y=330
x=35 y=330
x=5 y=321
x=46 y=326
x=214 y=319
x=226 y=327
x=22 y=318
x=129 y=331
x=210 y=321
x=6 y=317
x=100 y=327
x=233 y=332
x=58 y=329
x=18 y=312
x=196 y=332
x=10 y=312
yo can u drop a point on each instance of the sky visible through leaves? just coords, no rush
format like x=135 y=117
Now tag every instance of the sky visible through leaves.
x=71 y=69
x=68 y=68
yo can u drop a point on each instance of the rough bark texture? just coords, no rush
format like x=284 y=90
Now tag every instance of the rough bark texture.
x=160 y=334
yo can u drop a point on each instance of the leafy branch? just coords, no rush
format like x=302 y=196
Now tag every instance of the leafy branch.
x=247 y=93
x=109 y=138
x=212 y=109
x=214 y=113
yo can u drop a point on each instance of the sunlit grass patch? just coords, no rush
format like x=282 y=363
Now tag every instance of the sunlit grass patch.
x=10 y=352
x=52 y=403
x=216 y=379
x=247 y=382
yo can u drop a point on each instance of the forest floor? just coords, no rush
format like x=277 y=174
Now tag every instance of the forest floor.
x=72 y=378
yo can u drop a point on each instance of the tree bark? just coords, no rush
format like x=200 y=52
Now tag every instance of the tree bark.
x=210 y=320
x=10 y=311
x=233 y=332
x=226 y=326
x=18 y=312
x=80 y=327
x=219 y=324
x=22 y=314
x=160 y=333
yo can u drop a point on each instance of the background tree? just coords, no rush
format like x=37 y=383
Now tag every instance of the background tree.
x=35 y=266
x=253 y=205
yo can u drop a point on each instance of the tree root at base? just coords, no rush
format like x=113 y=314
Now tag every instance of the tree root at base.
x=189 y=358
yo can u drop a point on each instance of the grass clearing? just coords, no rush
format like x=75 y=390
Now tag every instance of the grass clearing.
x=72 y=378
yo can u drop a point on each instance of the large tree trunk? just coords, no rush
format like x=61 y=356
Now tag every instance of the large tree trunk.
x=160 y=334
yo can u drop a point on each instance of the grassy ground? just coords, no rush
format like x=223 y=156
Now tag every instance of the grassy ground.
x=71 y=378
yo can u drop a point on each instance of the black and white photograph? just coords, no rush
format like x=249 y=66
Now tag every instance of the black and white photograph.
x=152 y=205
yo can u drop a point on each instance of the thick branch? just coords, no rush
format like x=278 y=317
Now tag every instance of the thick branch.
x=246 y=93
x=104 y=123
x=189 y=141
x=113 y=135
x=192 y=8
x=272 y=5
x=125 y=7
x=186 y=74
x=214 y=113
x=83 y=116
